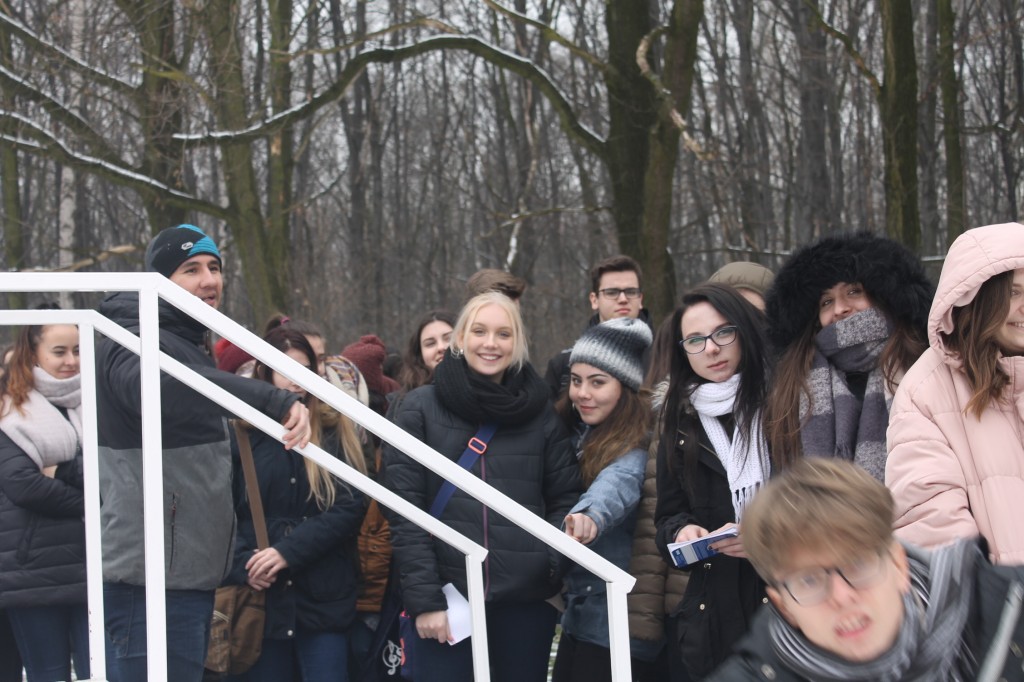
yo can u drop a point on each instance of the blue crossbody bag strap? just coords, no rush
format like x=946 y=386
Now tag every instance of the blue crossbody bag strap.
x=477 y=446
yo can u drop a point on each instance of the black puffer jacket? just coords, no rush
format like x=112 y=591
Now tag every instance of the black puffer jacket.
x=723 y=592
x=530 y=462
x=317 y=592
x=42 y=536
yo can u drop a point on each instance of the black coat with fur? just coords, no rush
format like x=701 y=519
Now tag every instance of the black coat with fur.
x=892 y=276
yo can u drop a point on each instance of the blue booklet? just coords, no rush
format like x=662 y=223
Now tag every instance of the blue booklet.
x=686 y=553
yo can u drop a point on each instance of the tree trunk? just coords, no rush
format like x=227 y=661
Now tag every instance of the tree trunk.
x=956 y=201
x=15 y=248
x=899 y=123
x=158 y=101
x=814 y=212
x=662 y=156
x=264 y=266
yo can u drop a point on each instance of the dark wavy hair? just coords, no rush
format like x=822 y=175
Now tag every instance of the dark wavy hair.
x=751 y=327
x=414 y=372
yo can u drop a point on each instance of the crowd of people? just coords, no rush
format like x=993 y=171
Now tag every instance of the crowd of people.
x=855 y=435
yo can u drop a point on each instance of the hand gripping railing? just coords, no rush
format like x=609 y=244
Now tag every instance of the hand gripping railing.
x=151 y=287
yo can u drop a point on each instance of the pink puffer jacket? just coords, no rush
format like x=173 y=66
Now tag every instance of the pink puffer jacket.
x=954 y=475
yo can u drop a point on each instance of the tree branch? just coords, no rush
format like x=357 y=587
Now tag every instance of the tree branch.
x=98 y=76
x=49 y=146
x=550 y=34
x=58 y=111
x=847 y=43
x=355 y=66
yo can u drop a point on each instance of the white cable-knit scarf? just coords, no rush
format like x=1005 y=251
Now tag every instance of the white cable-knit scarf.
x=40 y=429
x=745 y=457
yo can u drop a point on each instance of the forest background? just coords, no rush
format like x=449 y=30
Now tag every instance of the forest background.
x=358 y=160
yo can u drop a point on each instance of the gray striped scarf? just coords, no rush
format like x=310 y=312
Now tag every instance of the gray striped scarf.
x=928 y=646
x=834 y=422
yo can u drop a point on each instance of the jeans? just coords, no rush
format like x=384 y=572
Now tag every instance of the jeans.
x=320 y=657
x=48 y=637
x=518 y=641
x=188 y=632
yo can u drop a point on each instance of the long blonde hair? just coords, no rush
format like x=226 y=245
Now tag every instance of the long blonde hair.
x=321 y=417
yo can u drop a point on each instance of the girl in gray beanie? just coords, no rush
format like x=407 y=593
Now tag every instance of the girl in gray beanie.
x=611 y=419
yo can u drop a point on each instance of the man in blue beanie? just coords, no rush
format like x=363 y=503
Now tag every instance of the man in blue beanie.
x=198 y=515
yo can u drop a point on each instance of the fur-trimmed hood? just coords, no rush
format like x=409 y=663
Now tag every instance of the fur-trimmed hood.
x=892 y=276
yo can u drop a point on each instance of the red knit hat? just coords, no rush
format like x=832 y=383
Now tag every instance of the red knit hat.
x=229 y=356
x=368 y=355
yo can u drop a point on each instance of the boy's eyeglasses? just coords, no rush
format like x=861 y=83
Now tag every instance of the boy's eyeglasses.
x=813 y=586
x=612 y=294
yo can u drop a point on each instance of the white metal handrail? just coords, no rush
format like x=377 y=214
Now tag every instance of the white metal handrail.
x=151 y=286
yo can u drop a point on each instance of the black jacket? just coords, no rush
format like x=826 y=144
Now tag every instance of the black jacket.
x=317 y=592
x=42 y=535
x=532 y=463
x=557 y=374
x=723 y=592
x=198 y=515
x=755 y=658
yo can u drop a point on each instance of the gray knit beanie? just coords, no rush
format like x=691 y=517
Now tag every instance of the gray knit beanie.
x=617 y=347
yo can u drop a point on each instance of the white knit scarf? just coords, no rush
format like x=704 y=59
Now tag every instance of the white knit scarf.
x=39 y=428
x=745 y=457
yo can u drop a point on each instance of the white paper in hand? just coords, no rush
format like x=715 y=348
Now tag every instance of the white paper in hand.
x=458 y=614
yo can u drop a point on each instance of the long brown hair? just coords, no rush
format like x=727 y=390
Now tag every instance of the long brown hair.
x=628 y=427
x=789 y=382
x=321 y=417
x=973 y=338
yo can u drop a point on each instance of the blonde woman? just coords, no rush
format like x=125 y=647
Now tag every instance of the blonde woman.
x=484 y=379
x=311 y=567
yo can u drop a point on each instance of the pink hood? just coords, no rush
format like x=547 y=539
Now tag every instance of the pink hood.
x=975 y=256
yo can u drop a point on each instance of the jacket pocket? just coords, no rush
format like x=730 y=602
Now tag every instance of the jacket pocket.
x=23 y=555
x=695 y=628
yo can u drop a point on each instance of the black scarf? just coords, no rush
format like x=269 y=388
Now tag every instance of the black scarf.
x=520 y=396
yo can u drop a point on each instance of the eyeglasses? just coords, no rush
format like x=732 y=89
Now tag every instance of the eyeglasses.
x=612 y=294
x=813 y=586
x=696 y=344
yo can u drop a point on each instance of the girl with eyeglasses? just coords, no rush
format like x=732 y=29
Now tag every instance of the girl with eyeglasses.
x=712 y=459
x=847 y=319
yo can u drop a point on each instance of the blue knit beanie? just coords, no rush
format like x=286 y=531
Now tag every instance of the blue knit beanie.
x=175 y=245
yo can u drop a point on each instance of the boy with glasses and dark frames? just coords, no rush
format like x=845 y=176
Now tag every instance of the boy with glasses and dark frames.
x=616 y=290
x=849 y=602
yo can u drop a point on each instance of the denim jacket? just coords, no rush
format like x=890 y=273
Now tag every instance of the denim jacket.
x=611 y=501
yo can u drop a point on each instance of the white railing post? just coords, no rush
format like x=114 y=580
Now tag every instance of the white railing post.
x=91 y=485
x=475 y=587
x=618 y=632
x=153 y=486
